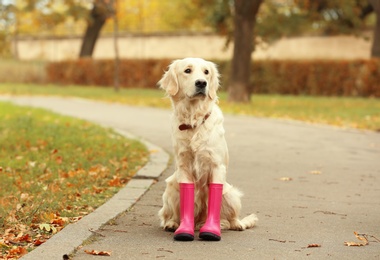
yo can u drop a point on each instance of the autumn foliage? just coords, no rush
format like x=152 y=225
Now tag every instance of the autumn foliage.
x=132 y=73
x=318 y=77
x=54 y=170
x=314 y=77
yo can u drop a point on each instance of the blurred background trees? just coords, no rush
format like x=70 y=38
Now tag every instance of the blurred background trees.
x=246 y=23
x=286 y=18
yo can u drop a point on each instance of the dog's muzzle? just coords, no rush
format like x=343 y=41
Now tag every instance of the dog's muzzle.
x=200 y=87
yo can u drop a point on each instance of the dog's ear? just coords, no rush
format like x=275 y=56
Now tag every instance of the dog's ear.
x=169 y=81
x=214 y=82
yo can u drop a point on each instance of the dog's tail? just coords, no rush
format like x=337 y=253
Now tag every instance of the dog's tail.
x=249 y=221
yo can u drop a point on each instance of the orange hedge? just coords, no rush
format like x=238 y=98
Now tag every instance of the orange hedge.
x=314 y=77
x=317 y=77
x=132 y=73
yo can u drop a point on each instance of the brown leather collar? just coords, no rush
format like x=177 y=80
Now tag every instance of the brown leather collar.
x=187 y=127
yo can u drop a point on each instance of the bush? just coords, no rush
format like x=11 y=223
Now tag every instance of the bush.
x=317 y=77
x=132 y=73
x=314 y=77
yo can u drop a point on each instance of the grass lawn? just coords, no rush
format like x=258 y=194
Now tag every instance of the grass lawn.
x=54 y=170
x=362 y=113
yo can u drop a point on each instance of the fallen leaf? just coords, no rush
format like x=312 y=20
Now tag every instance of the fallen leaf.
x=115 y=182
x=95 y=252
x=285 y=179
x=32 y=164
x=59 y=221
x=75 y=219
x=39 y=242
x=58 y=159
x=18 y=251
x=48 y=228
x=361 y=238
x=313 y=245
x=24 y=196
x=25 y=238
x=315 y=172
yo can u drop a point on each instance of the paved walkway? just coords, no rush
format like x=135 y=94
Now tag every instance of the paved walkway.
x=333 y=189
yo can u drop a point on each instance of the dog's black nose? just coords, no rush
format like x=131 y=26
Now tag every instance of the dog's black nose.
x=200 y=83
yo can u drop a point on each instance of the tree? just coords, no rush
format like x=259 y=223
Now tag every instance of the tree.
x=375 y=50
x=116 y=80
x=5 y=23
x=288 y=18
x=343 y=17
x=236 y=20
x=244 y=22
x=100 y=12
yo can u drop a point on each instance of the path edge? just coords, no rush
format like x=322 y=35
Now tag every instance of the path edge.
x=73 y=235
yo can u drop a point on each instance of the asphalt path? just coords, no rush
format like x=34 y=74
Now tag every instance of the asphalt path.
x=308 y=184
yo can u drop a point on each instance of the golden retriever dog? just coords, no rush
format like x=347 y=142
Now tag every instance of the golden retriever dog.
x=197 y=195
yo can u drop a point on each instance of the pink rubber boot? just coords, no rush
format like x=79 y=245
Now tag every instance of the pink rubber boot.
x=185 y=231
x=211 y=229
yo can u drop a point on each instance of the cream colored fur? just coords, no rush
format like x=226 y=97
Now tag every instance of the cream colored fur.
x=201 y=152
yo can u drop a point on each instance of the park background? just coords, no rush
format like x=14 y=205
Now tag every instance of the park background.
x=315 y=61
x=300 y=47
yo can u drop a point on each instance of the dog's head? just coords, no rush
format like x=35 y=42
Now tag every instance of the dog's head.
x=191 y=78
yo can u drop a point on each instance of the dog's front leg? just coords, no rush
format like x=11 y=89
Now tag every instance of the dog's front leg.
x=185 y=231
x=211 y=230
x=169 y=213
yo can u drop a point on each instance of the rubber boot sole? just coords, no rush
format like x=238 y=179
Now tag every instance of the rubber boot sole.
x=208 y=236
x=183 y=237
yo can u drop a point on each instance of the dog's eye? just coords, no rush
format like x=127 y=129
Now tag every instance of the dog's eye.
x=206 y=72
x=188 y=71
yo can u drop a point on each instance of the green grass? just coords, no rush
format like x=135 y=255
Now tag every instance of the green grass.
x=362 y=113
x=55 y=169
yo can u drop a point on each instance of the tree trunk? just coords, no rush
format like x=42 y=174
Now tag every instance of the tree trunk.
x=375 y=51
x=98 y=16
x=244 y=21
x=116 y=81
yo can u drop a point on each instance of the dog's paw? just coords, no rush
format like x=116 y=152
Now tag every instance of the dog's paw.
x=171 y=226
x=236 y=225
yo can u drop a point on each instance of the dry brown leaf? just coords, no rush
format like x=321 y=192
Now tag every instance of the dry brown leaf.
x=95 y=252
x=361 y=238
x=18 y=251
x=39 y=242
x=313 y=245
x=115 y=182
x=59 y=159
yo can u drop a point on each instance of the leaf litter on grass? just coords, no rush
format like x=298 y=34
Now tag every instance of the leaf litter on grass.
x=55 y=170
